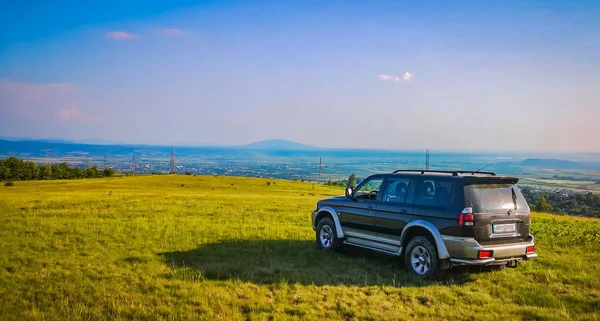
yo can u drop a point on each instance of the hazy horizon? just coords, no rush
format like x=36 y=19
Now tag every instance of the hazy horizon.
x=568 y=155
x=511 y=76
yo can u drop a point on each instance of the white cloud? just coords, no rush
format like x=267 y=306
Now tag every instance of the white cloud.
x=390 y=78
x=120 y=35
x=172 y=31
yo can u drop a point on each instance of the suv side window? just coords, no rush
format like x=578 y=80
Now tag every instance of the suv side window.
x=396 y=190
x=433 y=192
x=369 y=189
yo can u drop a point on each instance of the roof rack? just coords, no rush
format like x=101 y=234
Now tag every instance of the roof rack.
x=454 y=173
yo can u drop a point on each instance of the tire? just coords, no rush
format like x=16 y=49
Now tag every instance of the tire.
x=326 y=236
x=421 y=259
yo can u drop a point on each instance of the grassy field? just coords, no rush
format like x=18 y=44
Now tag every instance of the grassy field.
x=577 y=186
x=185 y=247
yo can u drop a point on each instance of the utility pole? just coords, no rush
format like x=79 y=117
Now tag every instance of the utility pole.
x=88 y=164
x=133 y=165
x=173 y=168
x=105 y=162
x=320 y=166
x=427 y=160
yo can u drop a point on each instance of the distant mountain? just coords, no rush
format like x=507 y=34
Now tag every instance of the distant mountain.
x=51 y=148
x=91 y=141
x=41 y=140
x=95 y=141
x=277 y=144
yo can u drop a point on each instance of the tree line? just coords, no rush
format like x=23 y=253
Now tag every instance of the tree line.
x=568 y=178
x=579 y=204
x=16 y=169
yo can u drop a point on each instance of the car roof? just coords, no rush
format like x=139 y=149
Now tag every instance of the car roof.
x=465 y=175
x=444 y=172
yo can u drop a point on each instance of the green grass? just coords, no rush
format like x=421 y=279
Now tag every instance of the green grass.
x=185 y=247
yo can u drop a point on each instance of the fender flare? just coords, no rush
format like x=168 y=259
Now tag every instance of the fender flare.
x=336 y=219
x=437 y=237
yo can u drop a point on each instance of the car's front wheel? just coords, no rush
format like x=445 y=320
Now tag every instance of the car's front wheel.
x=327 y=238
x=421 y=258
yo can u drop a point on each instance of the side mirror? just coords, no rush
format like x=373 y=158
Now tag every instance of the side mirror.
x=349 y=192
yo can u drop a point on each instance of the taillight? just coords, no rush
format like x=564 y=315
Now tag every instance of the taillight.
x=484 y=254
x=530 y=249
x=466 y=217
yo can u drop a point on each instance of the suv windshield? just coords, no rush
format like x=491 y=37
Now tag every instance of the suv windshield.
x=495 y=198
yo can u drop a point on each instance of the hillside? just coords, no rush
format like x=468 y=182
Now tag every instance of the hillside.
x=204 y=247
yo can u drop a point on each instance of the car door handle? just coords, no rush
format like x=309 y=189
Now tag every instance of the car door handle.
x=403 y=211
x=370 y=207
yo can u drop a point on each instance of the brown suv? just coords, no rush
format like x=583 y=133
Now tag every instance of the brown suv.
x=435 y=219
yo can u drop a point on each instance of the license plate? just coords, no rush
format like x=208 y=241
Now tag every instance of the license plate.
x=504 y=228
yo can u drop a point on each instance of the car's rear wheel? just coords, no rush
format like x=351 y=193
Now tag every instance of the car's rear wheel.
x=421 y=258
x=327 y=238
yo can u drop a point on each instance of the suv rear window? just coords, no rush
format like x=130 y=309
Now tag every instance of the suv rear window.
x=495 y=198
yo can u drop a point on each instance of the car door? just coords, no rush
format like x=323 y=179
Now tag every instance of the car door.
x=433 y=202
x=356 y=217
x=394 y=210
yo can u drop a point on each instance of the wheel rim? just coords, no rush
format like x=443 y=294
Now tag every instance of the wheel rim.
x=326 y=236
x=420 y=260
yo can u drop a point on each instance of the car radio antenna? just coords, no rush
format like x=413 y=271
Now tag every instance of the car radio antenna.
x=488 y=165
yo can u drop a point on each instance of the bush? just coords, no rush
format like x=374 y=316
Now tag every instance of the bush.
x=188 y=173
x=109 y=172
x=331 y=182
x=9 y=183
x=93 y=172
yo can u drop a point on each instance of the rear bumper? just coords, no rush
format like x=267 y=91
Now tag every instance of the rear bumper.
x=465 y=251
x=494 y=261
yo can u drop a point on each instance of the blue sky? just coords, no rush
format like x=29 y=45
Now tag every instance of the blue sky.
x=454 y=75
